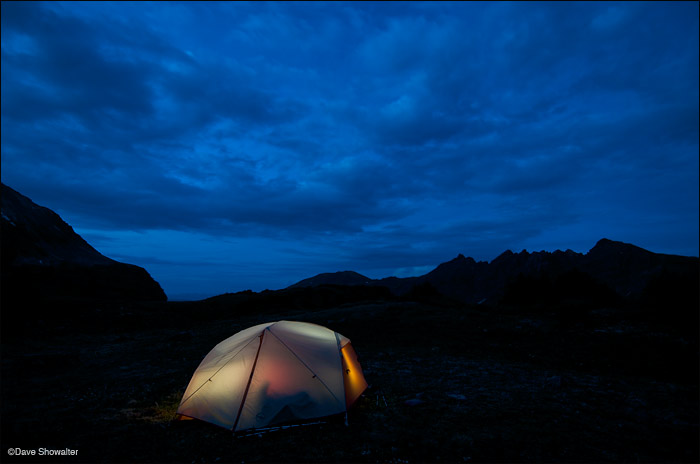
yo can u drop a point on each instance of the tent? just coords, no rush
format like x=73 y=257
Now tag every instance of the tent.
x=273 y=373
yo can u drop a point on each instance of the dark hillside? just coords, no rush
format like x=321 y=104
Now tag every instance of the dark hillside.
x=449 y=383
x=44 y=259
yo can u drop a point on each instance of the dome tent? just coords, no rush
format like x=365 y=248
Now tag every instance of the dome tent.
x=272 y=373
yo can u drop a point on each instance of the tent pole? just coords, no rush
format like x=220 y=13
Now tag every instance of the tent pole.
x=247 y=387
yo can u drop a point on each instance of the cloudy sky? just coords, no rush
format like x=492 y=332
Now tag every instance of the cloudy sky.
x=233 y=146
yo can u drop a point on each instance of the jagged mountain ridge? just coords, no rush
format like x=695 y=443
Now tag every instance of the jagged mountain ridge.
x=624 y=268
x=43 y=257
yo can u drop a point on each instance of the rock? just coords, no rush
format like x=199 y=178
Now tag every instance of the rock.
x=413 y=402
x=554 y=382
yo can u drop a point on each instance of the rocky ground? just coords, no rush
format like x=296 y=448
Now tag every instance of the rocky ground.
x=447 y=384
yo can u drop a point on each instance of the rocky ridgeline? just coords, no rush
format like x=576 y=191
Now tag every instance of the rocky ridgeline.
x=609 y=270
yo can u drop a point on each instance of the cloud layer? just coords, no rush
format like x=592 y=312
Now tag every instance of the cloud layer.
x=305 y=137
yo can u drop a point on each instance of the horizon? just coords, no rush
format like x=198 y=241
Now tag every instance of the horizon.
x=418 y=271
x=227 y=147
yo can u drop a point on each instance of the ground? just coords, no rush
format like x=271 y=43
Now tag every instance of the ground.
x=448 y=383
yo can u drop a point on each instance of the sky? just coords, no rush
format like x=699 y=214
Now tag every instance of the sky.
x=233 y=146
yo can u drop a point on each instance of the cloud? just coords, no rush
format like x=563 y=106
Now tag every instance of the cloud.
x=367 y=130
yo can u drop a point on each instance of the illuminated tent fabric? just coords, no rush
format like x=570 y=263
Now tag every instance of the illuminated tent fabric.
x=272 y=373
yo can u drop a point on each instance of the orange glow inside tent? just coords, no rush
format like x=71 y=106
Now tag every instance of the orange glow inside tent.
x=273 y=373
x=354 y=380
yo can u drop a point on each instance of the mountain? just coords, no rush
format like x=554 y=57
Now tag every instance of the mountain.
x=609 y=270
x=333 y=278
x=44 y=258
x=628 y=268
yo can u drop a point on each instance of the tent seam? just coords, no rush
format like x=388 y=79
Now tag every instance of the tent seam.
x=250 y=379
x=308 y=368
x=217 y=371
x=342 y=369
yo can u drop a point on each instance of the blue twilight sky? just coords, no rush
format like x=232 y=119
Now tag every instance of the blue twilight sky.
x=233 y=146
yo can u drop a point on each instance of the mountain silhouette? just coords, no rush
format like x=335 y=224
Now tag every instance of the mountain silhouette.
x=44 y=258
x=609 y=269
x=333 y=278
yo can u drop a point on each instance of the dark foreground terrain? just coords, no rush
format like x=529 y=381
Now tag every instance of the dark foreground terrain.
x=449 y=383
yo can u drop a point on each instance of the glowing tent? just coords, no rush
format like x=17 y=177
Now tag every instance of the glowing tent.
x=273 y=373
